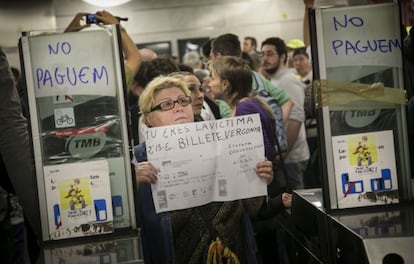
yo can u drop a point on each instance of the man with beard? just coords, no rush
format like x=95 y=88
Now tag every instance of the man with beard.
x=274 y=57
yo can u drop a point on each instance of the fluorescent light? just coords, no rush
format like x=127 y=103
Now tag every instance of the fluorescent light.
x=106 y=3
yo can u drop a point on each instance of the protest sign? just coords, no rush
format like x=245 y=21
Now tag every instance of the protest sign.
x=206 y=161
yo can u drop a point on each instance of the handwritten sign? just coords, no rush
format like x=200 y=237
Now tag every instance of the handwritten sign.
x=78 y=63
x=362 y=35
x=206 y=161
x=364 y=168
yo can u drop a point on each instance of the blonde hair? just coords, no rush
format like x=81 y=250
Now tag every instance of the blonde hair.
x=181 y=74
x=146 y=100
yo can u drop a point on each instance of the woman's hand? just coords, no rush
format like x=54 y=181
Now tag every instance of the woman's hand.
x=145 y=172
x=75 y=24
x=264 y=169
x=287 y=200
x=106 y=18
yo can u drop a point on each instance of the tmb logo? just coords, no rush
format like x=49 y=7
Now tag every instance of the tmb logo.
x=87 y=145
x=361 y=118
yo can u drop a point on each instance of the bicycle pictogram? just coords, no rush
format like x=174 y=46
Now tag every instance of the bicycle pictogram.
x=64 y=119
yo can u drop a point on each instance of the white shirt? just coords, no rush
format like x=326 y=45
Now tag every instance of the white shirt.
x=286 y=79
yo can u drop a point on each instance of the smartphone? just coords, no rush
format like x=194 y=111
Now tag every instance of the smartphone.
x=91 y=19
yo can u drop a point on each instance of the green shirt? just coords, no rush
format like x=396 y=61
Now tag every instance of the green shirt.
x=279 y=94
x=225 y=110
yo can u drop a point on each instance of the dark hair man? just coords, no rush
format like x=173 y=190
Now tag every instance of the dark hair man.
x=249 y=44
x=274 y=57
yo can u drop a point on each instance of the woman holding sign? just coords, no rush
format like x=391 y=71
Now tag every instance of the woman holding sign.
x=209 y=233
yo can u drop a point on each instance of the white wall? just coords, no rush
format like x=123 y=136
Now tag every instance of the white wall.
x=165 y=20
x=151 y=21
x=14 y=21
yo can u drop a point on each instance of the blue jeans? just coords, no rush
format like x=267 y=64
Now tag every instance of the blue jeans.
x=295 y=174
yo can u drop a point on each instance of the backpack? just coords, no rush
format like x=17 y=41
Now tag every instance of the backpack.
x=280 y=132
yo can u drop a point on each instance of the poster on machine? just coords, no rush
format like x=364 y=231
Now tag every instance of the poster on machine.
x=78 y=199
x=365 y=169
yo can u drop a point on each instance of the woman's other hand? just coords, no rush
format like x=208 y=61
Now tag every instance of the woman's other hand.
x=287 y=200
x=264 y=170
x=145 y=172
x=106 y=18
x=75 y=24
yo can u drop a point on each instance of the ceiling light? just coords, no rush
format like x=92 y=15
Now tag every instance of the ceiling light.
x=106 y=3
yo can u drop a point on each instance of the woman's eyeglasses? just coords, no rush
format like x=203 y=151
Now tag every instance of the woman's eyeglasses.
x=169 y=104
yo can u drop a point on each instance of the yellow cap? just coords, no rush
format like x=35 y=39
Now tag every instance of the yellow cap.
x=295 y=44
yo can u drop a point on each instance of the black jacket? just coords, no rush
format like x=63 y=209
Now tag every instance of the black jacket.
x=15 y=148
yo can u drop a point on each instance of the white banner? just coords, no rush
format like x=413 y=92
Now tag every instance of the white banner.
x=207 y=161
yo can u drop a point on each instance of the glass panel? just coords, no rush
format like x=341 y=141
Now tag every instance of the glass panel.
x=80 y=138
x=79 y=128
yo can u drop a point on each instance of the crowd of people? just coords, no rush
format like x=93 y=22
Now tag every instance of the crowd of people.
x=218 y=81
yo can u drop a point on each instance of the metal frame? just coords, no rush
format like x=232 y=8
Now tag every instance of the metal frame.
x=120 y=83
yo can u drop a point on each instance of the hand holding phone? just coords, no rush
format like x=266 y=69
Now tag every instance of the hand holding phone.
x=91 y=19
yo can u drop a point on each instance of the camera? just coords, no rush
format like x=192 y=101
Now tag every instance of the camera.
x=91 y=19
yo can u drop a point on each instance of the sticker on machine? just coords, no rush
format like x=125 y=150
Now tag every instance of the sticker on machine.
x=365 y=169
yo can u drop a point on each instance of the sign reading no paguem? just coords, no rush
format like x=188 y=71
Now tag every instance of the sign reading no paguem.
x=73 y=63
x=361 y=36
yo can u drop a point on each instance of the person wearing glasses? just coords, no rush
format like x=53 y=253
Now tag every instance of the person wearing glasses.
x=197 y=93
x=187 y=236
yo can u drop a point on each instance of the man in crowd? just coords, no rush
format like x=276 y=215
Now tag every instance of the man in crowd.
x=274 y=56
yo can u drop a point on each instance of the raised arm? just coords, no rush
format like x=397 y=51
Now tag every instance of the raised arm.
x=132 y=55
x=76 y=23
x=131 y=52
